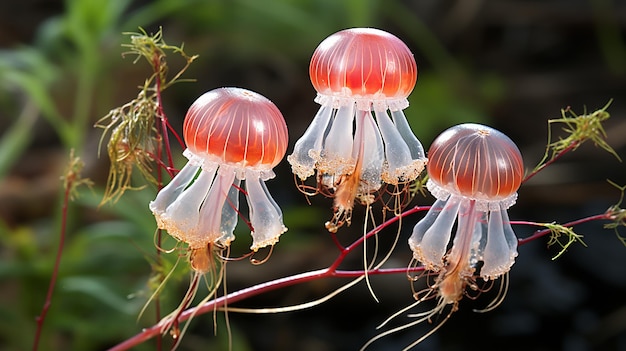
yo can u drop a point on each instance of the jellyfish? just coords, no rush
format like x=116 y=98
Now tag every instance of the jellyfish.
x=474 y=173
x=232 y=135
x=360 y=138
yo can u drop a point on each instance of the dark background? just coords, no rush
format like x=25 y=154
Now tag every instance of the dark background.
x=510 y=64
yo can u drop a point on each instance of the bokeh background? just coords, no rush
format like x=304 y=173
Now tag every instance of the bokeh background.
x=512 y=64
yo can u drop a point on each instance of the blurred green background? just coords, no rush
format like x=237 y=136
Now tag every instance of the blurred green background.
x=512 y=64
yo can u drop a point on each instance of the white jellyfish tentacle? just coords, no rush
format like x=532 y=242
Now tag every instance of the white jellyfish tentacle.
x=460 y=256
x=172 y=191
x=210 y=224
x=265 y=215
x=479 y=239
x=372 y=152
x=336 y=155
x=509 y=234
x=400 y=166
x=181 y=218
x=431 y=235
x=230 y=214
x=397 y=152
x=501 y=246
x=307 y=149
x=402 y=125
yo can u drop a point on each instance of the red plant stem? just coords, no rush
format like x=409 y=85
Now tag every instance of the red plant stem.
x=344 y=252
x=57 y=263
x=159 y=239
x=541 y=233
x=258 y=289
x=571 y=146
x=174 y=133
x=329 y=272
x=160 y=113
x=253 y=291
x=336 y=241
x=162 y=130
x=232 y=297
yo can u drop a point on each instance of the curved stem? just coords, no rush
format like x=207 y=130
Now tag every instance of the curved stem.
x=57 y=263
x=330 y=272
x=344 y=252
x=541 y=233
x=553 y=159
x=218 y=302
x=258 y=289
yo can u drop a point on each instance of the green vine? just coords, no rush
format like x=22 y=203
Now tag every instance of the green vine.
x=557 y=232
x=579 y=128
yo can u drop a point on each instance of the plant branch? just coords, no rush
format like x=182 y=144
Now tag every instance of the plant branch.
x=543 y=232
x=553 y=159
x=71 y=180
x=579 y=128
x=330 y=272
x=262 y=288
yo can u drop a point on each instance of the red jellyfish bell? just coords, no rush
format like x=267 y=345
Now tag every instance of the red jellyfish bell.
x=359 y=74
x=231 y=134
x=364 y=65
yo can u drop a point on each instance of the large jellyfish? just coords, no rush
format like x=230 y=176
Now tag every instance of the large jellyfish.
x=359 y=138
x=232 y=135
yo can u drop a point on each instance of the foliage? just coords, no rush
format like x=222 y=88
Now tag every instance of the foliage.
x=135 y=140
x=72 y=74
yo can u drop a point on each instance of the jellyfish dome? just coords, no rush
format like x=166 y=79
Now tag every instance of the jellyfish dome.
x=232 y=135
x=474 y=173
x=363 y=65
x=360 y=137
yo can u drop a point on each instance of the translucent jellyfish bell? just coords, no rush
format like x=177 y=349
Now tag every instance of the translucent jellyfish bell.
x=232 y=135
x=474 y=172
x=359 y=138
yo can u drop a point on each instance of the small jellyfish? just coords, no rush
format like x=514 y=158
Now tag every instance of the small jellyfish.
x=474 y=173
x=359 y=138
x=232 y=135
